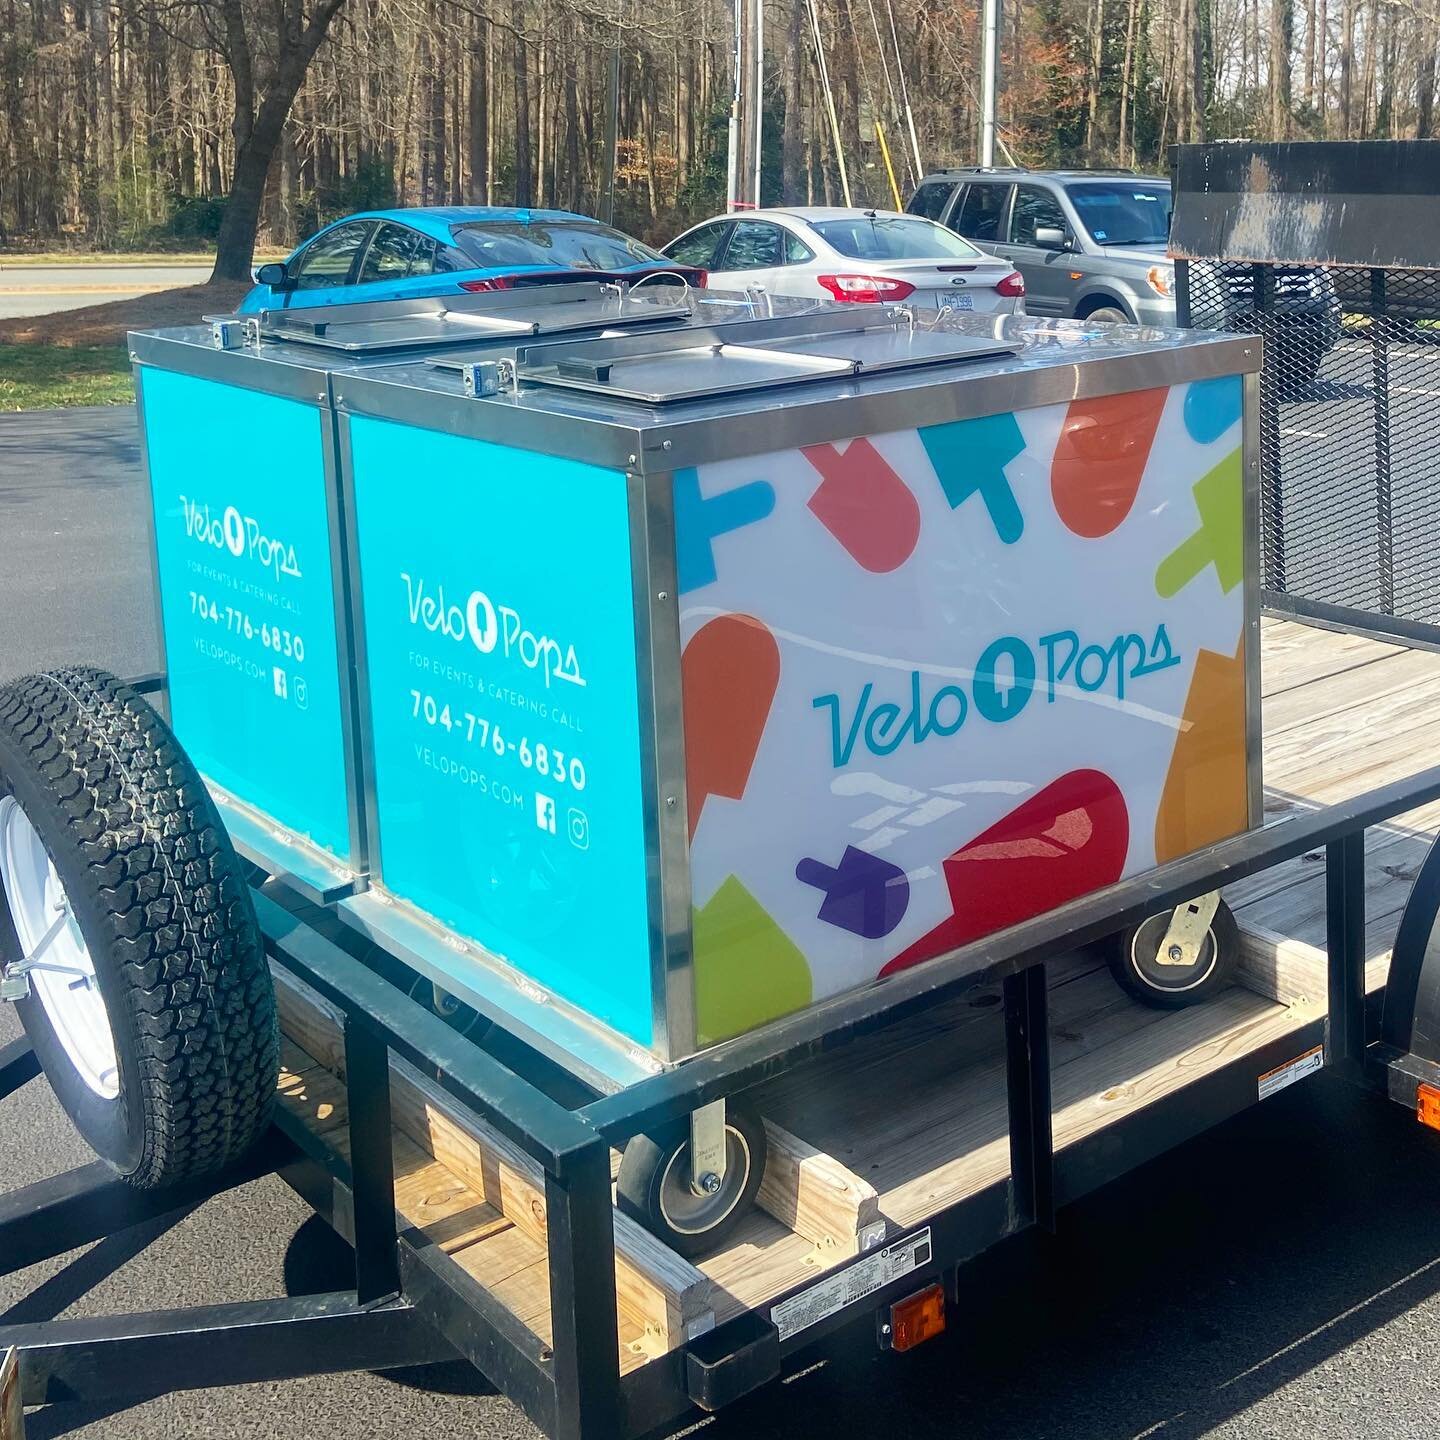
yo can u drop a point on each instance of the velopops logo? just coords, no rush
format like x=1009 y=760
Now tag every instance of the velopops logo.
x=240 y=535
x=486 y=625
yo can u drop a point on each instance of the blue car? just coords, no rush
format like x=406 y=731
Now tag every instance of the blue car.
x=395 y=254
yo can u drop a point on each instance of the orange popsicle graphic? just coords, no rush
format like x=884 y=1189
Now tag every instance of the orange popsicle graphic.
x=1205 y=797
x=728 y=673
x=1100 y=458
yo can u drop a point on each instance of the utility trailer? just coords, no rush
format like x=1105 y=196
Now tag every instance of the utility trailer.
x=453 y=1092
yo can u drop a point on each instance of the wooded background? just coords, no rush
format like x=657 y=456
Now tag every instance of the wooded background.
x=128 y=122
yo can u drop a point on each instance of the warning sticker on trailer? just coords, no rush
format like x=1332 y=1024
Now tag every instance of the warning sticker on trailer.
x=1297 y=1069
x=831 y=1295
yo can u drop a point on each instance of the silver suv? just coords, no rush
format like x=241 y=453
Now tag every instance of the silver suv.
x=1091 y=244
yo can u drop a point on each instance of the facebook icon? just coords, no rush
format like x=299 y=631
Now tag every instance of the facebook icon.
x=545 y=812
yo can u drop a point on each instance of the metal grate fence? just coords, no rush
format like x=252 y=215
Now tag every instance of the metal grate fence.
x=1349 y=433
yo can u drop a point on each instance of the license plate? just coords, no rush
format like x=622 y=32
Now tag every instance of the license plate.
x=956 y=302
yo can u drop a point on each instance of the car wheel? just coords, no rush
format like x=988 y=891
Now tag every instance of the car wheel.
x=127 y=929
x=1109 y=315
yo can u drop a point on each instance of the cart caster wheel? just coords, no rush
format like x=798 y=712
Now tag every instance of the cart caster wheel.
x=128 y=940
x=654 y=1186
x=1133 y=956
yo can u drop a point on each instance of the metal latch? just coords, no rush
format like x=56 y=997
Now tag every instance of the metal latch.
x=484 y=378
x=235 y=334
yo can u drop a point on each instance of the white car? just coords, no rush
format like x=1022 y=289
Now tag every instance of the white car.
x=865 y=256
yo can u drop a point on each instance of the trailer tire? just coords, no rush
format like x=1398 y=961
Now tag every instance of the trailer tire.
x=1132 y=954
x=159 y=1033
x=653 y=1185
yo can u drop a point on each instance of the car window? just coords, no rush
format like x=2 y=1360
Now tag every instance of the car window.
x=330 y=258
x=1124 y=214
x=1033 y=209
x=396 y=253
x=893 y=237
x=931 y=198
x=578 y=244
x=699 y=246
x=980 y=214
x=797 y=252
x=754 y=245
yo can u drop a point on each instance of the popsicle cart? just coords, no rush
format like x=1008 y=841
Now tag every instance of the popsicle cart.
x=661 y=759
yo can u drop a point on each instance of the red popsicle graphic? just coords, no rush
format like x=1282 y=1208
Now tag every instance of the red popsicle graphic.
x=864 y=504
x=728 y=675
x=1100 y=458
x=1062 y=843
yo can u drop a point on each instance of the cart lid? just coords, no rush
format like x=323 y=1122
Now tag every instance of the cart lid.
x=503 y=315
x=699 y=362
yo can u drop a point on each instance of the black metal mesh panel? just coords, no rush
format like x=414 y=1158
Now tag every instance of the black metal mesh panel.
x=1350 y=418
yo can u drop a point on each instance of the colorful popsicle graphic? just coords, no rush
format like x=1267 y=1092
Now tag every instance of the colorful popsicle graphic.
x=1100 y=458
x=1063 y=842
x=729 y=673
x=864 y=504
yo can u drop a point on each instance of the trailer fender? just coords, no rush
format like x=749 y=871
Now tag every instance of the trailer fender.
x=1411 y=1021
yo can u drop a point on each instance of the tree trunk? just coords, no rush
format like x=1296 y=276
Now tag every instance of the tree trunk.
x=792 y=139
x=1282 y=25
x=524 y=181
x=235 y=244
x=1425 y=79
x=1347 y=67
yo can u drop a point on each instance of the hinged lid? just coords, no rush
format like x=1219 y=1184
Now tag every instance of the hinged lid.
x=369 y=329
x=696 y=362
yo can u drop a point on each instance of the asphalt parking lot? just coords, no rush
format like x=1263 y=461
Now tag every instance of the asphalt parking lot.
x=1275 y=1278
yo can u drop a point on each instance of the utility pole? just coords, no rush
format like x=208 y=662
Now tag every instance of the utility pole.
x=743 y=177
x=989 y=63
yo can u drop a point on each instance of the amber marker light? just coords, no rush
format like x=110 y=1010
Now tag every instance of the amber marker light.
x=917 y=1318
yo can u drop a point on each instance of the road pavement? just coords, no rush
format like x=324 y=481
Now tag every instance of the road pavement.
x=1277 y=1277
x=43 y=289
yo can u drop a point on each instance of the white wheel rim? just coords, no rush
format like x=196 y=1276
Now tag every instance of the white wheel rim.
x=63 y=978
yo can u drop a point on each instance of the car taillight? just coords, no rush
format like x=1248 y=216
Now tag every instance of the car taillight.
x=1012 y=285
x=493 y=282
x=701 y=280
x=866 y=289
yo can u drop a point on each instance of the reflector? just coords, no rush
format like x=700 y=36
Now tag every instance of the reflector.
x=917 y=1318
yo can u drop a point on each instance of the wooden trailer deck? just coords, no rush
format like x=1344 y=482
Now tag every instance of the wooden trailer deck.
x=1343 y=714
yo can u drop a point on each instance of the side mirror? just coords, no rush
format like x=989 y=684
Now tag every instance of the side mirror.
x=1051 y=237
x=275 y=275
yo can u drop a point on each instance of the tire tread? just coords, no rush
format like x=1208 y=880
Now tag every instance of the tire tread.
x=182 y=935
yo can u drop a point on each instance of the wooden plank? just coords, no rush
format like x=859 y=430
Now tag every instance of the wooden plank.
x=12 y=1411
x=514 y=1268
x=1292 y=655
x=761 y=1259
x=1295 y=972
x=309 y=1020
x=1392 y=851
x=1328 y=694
x=665 y=1294
x=1365 y=745
x=816 y=1196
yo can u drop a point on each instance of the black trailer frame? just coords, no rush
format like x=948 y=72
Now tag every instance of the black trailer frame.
x=411 y=1305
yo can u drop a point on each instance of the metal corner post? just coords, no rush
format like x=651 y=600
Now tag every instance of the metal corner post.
x=663 y=730
x=1254 y=552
